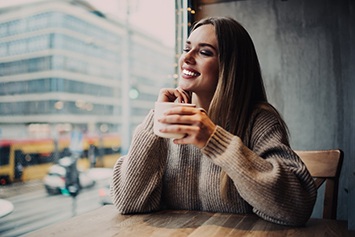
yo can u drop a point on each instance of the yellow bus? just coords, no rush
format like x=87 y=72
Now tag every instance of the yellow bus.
x=29 y=159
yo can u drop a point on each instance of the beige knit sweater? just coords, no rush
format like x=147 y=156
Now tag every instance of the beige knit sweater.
x=268 y=178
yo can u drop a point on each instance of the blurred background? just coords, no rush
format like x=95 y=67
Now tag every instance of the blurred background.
x=76 y=77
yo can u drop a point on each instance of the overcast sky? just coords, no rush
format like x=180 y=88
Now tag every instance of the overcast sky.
x=155 y=16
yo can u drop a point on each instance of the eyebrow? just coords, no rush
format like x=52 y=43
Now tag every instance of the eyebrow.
x=203 y=45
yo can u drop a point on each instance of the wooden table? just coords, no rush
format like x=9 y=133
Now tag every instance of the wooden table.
x=105 y=221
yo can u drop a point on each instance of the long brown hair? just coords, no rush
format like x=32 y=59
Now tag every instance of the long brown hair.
x=240 y=88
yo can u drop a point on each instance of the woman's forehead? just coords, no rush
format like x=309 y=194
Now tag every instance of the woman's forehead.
x=204 y=34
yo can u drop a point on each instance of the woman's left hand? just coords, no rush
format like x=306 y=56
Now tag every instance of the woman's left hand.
x=194 y=122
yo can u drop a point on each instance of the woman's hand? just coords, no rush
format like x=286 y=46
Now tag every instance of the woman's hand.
x=194 y=122
x=171 y=94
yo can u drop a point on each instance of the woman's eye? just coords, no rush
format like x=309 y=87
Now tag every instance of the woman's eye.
x=186 y=50
x=206 y=52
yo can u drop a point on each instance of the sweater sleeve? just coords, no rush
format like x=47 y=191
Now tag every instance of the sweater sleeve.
x=267 y=174
x=137 y=177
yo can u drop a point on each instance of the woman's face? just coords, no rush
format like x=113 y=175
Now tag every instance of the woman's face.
x=199 y=62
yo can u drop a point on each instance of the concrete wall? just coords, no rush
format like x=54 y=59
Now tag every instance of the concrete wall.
x=307 y=54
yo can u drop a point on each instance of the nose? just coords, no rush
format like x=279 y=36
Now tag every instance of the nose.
x=188 y=57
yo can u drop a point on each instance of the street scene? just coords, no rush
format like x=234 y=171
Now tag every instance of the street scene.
x=76 y=78
x=34 y=208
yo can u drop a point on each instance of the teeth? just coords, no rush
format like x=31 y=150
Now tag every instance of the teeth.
x=189 y=73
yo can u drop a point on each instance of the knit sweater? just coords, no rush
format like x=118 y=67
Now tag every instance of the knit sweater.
x=266 y=176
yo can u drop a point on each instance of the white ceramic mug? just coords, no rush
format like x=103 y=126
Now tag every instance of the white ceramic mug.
x=159 y=109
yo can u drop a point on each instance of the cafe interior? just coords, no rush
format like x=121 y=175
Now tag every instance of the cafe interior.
x=306 y=50
x=307 y=55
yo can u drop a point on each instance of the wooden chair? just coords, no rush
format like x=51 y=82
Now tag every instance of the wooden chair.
x=325 y=166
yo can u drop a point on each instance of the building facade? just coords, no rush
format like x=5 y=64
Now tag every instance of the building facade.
x=65 y=65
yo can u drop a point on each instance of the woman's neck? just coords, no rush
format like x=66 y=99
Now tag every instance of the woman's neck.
x=201 y=101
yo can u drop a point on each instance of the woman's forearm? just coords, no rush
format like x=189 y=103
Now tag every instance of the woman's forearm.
x=137 y=177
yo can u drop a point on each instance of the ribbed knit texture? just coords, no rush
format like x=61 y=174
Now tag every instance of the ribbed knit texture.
x=267 y=177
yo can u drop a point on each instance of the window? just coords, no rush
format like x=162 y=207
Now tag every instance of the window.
x=76 y=67
x=85 y=53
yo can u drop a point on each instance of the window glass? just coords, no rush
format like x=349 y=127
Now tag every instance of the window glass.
x=76 y=78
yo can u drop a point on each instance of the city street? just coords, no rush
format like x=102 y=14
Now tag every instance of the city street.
x=34 y=208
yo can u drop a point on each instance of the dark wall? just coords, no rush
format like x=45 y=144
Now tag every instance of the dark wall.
x=307 y=54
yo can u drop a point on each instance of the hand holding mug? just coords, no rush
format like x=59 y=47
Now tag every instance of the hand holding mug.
x=160 y=109
x=184 y=122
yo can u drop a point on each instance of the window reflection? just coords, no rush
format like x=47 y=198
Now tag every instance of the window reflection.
x=56 y=53
x=76 y=78
x=69 y=64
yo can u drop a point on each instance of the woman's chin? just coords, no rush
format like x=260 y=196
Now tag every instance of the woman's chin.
x=186 y=86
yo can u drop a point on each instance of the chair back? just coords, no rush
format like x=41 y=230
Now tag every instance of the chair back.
x=325 y=166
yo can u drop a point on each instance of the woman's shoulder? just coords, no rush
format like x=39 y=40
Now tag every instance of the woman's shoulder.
x=265 y=111
x=265 y=117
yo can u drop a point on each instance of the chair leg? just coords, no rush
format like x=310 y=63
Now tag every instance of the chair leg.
x=330 y=199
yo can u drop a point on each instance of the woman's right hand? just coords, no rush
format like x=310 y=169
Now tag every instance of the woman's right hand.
x=171 y=94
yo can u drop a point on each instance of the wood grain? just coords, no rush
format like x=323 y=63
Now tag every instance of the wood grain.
x=105 y=221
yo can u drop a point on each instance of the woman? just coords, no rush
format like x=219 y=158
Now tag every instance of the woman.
x=235 y=155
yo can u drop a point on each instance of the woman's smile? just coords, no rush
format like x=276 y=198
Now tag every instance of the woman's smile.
x=189 y=73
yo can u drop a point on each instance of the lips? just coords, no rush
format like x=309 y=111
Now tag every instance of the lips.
x=190 y=73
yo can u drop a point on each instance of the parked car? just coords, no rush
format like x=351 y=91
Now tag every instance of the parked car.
x=54 y=181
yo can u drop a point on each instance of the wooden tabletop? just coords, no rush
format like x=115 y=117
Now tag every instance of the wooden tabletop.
x=105 y=221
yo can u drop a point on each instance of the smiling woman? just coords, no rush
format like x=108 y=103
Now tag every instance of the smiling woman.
x=234 y=155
